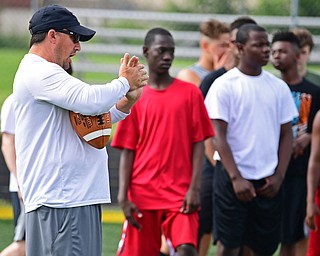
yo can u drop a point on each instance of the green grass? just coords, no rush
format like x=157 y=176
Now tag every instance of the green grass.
x=110 y=236
x=6 y=233
x=111 y=233
x=9 y=62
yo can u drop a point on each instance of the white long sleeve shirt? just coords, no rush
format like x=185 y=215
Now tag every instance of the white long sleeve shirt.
x=8 y=126
x=56 y=168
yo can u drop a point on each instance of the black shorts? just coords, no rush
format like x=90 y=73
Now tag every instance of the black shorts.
x=206 y=197
x=16 y=206
x=293 y=227
x=255 y=224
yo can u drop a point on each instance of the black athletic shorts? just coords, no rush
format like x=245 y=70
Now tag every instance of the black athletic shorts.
x=293 y=227
x=206 y=197
x=255 y=223
x=16 y=206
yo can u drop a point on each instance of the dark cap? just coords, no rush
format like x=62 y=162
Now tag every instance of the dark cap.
x=58 y=17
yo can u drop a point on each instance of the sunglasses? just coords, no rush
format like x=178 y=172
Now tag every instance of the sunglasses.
x=74 y=36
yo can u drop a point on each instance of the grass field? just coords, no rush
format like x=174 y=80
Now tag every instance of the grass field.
x=110 y=232
x=110 y=237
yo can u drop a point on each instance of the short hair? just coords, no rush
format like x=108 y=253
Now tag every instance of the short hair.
x=237 y=23
x=304 y=36
x=244 y=31
x=213 y=28
x=150 y=36
x=286 y=36
x=37 y=38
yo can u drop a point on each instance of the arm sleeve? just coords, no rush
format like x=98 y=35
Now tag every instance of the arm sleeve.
x=61 y=89
x=117 y=115
x=217 y=101
x=289 y=109
x=126 y=134
x=209 y=79
x=7 y=116
x=202 y=126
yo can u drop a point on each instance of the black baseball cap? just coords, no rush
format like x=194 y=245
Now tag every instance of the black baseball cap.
x=58 y=17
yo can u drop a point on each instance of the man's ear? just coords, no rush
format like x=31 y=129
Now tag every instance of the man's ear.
x=239 y=47
x=298 y=59
x=145 y=51
x=204 y=44
x=51 y=34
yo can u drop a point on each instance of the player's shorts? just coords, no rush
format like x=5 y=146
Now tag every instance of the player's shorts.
x=177 y=227
x=206 y=197
x=20 y=228
x=255 y=223
x=314 y=241
x=293 y=226
x=64 y=231
x=15 y=201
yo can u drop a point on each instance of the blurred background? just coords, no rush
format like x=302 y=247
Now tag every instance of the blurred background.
x=121 y=26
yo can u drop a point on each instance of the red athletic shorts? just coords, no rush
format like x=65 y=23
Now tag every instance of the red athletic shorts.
x=179 y=228
x=314 y=240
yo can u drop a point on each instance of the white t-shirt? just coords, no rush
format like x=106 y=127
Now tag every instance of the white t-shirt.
x=56 y=168
x=254 y=107
x=7 y=126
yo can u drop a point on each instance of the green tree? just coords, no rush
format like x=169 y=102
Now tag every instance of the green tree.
x=309 y=8
x=203 y=6
x=272 y=7
x=213 y=6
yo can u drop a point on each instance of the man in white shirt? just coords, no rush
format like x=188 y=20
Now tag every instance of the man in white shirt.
x=251 y=111
x=63 y=180
x=18 y=246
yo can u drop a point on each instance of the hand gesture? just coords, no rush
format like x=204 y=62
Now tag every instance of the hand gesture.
x=134 y=95
x=300 y=143
x=271 y=187
x=129 y=208
x=228 y=59
x=243 y=189
x=312 y=211
x=191 y=202
x=133 y=71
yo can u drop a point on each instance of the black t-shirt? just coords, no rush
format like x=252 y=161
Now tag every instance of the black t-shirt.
x=204 y=87
x=306 y=96
x=209 y=79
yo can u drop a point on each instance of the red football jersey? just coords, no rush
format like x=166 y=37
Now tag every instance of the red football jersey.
x=161 y=129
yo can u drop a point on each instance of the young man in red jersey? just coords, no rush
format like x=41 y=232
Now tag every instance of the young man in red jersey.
x=161 y=158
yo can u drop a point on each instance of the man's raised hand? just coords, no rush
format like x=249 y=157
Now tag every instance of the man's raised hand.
x=133 y=71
